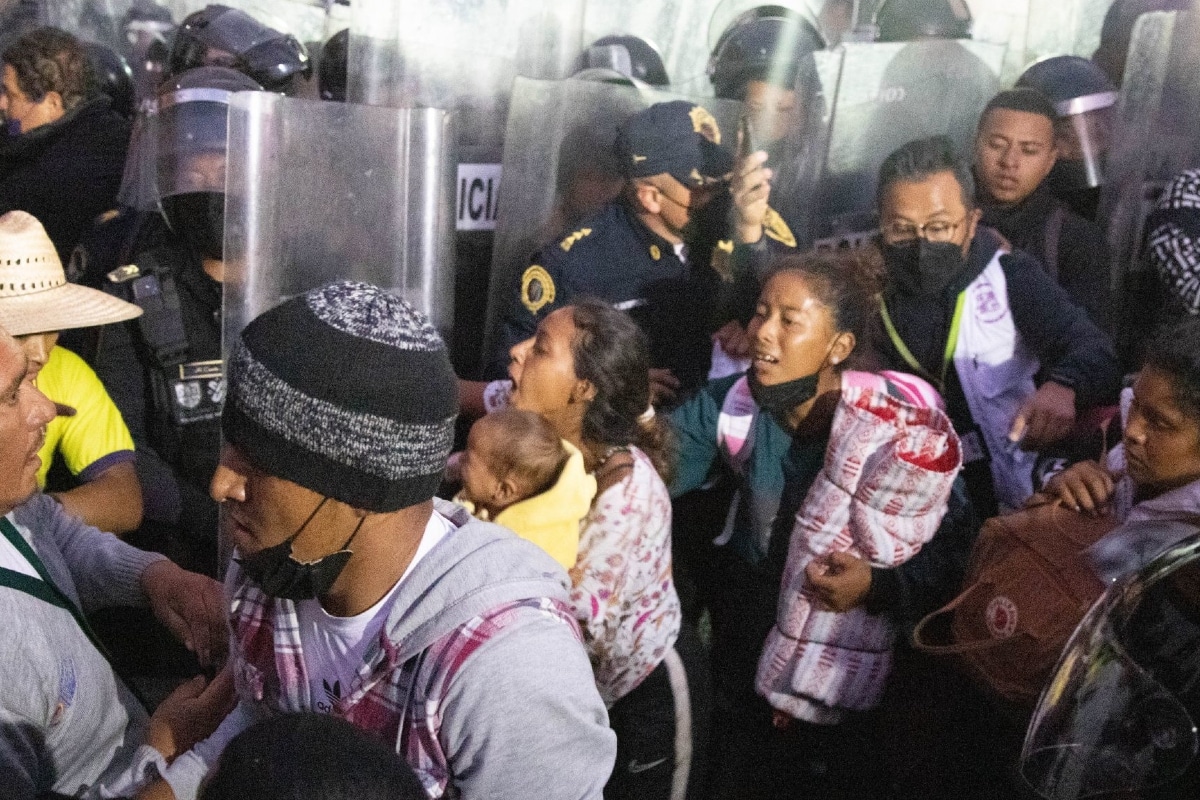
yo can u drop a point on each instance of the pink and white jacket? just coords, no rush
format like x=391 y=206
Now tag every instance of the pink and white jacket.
x=880 y=496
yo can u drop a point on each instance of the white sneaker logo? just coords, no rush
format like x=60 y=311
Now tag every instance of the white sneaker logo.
x=635 y=767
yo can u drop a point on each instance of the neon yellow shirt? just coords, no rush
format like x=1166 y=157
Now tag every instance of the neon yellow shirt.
x=96 y=437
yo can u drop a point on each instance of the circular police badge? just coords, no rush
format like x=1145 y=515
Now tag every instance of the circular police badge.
x=537 y=289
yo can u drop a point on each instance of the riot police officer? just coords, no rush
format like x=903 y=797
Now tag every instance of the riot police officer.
x=1085 y=104
x=630 y=56
x=217 y=35
x=679 y=250
x=910 y=20
x=164 y=371
x=764 y=59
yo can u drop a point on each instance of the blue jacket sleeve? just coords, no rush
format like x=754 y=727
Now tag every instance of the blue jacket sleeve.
x=695 y=424
x=1073 y=351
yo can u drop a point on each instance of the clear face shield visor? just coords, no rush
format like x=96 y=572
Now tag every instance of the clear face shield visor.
x=191 y=141
x=1084 y=131
x=1118 y=714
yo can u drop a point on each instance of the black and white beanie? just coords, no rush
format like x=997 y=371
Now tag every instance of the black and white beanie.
x=1173 y=238
x=347 y=391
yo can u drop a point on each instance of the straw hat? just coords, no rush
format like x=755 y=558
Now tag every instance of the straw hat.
x=34 y=294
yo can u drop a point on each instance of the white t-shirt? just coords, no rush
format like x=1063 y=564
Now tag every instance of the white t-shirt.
x=333 y=647
x=11 y=558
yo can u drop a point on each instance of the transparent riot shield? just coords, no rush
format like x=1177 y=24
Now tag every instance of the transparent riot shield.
x=890 y=94
x=463 y=57
x=559 y=167
x=1118 y=717
x=459 y=56
x=999 y=23
x=678 y=28
x=1067 y=27
x=304 y=19
x=318 y=192
x=90 y=20
x=1157 y=131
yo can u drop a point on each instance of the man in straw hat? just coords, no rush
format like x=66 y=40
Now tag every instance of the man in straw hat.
x=36 y=302
x=68 y=724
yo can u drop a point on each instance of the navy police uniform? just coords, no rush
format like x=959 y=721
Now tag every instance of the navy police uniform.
x=678 y=295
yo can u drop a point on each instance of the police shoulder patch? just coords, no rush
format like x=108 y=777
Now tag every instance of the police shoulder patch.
x=537 y=289
x=777 y=229
x=570 y=241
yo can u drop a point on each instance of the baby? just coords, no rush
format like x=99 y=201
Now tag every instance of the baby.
x=518 y=473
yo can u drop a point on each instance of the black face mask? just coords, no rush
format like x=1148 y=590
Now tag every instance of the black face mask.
x=782 y=398
x=280 y=575
x=199 y=218
x=922 y=266
x=709 y=223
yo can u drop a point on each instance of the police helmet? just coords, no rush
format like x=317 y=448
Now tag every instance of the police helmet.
x=221 y=36
x=111 y=76
x=146 y=11
x=631 y=56
x=909 y=20
x=768 y=43
x=1073 y=84
x=333 y=67
x=193 y=111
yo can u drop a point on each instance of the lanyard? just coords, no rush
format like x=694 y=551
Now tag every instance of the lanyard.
x=951 y=340
x=45 y=589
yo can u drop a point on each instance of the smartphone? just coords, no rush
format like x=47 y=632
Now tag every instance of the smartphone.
x=747 y=139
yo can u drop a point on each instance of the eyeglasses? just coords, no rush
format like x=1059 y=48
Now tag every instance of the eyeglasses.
x=936 y=231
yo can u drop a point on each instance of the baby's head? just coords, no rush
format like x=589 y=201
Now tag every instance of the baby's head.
x=512 y=455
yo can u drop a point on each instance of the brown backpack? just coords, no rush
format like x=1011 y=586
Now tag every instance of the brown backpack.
x=1028 y=585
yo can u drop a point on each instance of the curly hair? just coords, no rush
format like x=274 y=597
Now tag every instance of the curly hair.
x=50 y=60
x=1176 y=352
x=611 y=352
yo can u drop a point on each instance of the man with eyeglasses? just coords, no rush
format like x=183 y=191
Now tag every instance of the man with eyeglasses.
x=1014 y=358
x=667 y=249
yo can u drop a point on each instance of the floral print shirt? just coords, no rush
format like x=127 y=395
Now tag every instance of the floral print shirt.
x=623 y=594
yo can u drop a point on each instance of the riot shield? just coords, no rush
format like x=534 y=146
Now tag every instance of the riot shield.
x=462 y=57
x=1157 y=131
x=1067 y=27
x=90 y=20
x=559 y=167
x=678 y=28
x=1000 y=23
x=318 y=192
x=304 y=19
x=887 y=95
x=1118 y=717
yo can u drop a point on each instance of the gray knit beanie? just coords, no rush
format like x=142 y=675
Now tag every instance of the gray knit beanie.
x=347 y=391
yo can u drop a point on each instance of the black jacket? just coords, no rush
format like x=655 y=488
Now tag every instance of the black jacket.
x=175 y=461
x=66 y=173
x=1073 y=351
x=1072 y=249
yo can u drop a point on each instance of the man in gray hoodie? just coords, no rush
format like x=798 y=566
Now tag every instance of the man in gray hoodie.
x=355 y=593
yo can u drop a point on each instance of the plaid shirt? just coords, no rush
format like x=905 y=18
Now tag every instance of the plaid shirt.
x=401 y=702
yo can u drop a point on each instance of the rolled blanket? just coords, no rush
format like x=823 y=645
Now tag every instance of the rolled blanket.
x=880 y=495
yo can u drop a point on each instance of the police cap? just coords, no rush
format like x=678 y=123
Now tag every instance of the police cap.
x=679 y=138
